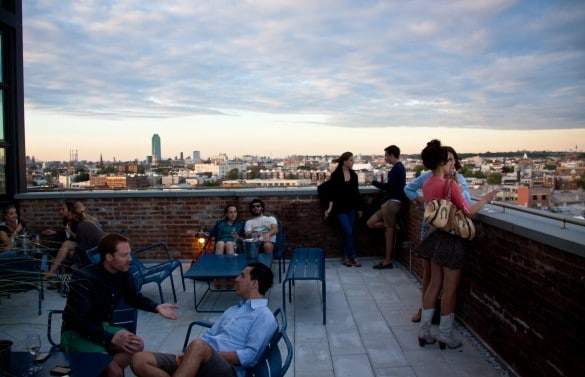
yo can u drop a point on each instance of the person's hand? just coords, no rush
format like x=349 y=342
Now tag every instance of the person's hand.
x=166 y=310
x=48 y=232
x=327 y=212
x=491 y=195
x=359 y=214
x=179 y=358
x=128 y=342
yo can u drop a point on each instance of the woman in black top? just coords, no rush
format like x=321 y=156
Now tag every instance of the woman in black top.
x=345 y=204
x=10 y=227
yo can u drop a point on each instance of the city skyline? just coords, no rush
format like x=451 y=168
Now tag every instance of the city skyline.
x=281 y=78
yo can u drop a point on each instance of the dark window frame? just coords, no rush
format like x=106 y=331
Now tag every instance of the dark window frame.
x=12 y=87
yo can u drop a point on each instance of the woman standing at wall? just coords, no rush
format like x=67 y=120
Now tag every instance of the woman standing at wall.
x=443 y=249
x=411 y=191
x=345 y=205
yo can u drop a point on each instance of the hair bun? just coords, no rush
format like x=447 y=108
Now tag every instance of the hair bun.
x=434 y=143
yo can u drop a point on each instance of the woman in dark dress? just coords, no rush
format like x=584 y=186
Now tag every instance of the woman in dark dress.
x=345 y=205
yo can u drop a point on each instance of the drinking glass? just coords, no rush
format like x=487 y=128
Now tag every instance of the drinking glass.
x=33 y=346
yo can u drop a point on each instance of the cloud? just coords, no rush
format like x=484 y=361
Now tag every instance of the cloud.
x=497 y=64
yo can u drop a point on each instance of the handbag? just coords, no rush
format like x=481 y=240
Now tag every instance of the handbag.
x=444 y=215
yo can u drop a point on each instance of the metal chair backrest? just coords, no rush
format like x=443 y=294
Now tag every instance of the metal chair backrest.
x=54 y=345
x=271 y=363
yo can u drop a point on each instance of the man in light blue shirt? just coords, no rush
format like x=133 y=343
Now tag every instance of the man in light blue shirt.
x=235 y=342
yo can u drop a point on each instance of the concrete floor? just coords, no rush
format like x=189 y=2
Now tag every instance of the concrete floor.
x=368 y=331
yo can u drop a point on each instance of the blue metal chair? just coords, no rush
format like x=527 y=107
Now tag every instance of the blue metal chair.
x=158 y=272
x=279 y=249
x=271 y=363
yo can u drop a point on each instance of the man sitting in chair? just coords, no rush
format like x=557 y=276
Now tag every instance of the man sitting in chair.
x=235 y=342
x=94 y=291
x=261 y=226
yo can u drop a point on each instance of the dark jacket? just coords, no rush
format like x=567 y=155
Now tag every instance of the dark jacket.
x=94 y=294
x=345 y=195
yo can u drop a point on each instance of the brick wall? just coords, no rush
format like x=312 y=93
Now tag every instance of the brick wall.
x=175 y=220
x=525 y=299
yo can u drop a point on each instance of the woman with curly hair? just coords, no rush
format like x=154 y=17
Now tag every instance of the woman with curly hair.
x=443 y=249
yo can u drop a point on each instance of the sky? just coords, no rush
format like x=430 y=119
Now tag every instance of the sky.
x=276 y=78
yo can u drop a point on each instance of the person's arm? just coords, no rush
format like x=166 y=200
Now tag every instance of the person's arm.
x=464 y=187
x=214 y=230
x=411 y=189
x=334 y=191
x=259 y=335
x=483 y=201
x=272 y=232
x=133 y=297
x=248 y=232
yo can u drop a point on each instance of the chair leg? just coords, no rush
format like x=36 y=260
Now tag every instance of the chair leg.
x=160 y=293
x=173 y=288
x=182 y=278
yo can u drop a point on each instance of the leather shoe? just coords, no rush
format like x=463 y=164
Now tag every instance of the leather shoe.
x=382 y=266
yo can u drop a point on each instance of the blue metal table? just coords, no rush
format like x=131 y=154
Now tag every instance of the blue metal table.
x=211 y=266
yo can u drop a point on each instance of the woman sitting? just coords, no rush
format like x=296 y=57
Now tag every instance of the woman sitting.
x=10 y=228
x=227 y=231
x=88 y=233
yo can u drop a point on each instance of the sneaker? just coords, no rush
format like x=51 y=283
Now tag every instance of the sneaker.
x=346 y=262
x=355 y=263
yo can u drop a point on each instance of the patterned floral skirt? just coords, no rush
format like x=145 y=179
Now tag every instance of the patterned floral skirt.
x=442 y=248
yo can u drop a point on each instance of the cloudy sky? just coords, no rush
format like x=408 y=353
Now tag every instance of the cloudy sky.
x=280 y=77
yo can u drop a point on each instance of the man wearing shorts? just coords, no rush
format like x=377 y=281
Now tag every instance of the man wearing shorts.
x=235 y=342
x=262 y=226
x=95 y=291
x=387 y=216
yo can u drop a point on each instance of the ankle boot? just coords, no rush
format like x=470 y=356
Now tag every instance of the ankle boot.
x=424 y=334
x=446 y=338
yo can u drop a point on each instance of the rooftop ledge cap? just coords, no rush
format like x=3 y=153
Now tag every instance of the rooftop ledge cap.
x=550 y=230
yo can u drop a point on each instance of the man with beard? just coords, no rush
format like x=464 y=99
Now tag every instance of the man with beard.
x=95 y=291
x=263 y=227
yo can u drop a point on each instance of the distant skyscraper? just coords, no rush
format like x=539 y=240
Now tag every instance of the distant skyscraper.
x=196 y=156
x=156 y=147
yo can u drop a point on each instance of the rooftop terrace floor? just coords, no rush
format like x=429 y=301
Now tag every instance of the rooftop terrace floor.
x=368 y=331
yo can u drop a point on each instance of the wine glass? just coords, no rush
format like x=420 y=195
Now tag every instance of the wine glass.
x=33 y=346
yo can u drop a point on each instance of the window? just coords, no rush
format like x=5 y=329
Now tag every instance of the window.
x=12 y=148
x=2 y=122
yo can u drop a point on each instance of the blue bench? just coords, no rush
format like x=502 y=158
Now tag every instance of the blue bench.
x=306 y=263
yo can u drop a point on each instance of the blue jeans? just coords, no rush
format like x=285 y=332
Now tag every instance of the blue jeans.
x=347 y=221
